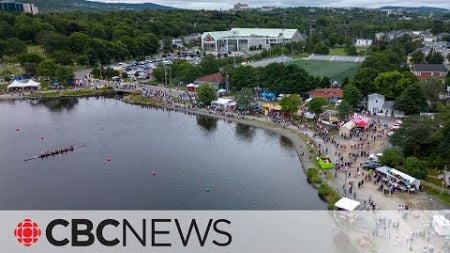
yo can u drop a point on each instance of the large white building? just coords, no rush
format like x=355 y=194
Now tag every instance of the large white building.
x=244 y=39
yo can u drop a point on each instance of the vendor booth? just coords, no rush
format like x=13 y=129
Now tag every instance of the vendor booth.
x=270 y=108
x=223 y=103
x=23 y=85
x=326 y=163
x=347 y=204
x=191 y=87
x=346 y=129
x=399 y=179
x=361 y=121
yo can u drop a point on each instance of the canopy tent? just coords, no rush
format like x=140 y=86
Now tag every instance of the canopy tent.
x=361 y=120
x=347 y=204
x=268 y=96
x=441 y=225
x=30 y=84
x=345 y=129
x=191 y=87
x=223 y=102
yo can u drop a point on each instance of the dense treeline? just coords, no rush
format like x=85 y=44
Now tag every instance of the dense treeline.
x=91 y=38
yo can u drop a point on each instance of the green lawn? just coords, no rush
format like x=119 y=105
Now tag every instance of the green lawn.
x=334 y=70
x=337 y=51
x=36 y=50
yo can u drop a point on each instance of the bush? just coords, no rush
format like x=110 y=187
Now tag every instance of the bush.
x=312 y=175
x=329 y=195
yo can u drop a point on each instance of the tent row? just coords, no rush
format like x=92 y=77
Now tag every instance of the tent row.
x=24 y=85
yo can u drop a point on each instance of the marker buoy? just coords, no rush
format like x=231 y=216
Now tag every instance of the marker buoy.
x=42 y=138
x=154 y=173
x=207 y=189
x=17 y=129
x=108 y=159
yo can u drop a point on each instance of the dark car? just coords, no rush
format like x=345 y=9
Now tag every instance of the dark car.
x=371 y=165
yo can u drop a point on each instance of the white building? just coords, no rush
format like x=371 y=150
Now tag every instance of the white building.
x=363 y=43
x=244 y=39
x=377 y=105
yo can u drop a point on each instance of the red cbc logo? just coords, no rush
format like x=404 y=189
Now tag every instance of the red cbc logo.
x=27 y=232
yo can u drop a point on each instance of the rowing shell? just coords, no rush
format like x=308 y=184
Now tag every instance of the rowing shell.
x=59 y=153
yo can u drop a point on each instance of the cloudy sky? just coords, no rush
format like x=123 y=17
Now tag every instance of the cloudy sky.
x=227 y=4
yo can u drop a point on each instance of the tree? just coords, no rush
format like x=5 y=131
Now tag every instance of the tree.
x=206 y=94
x=432 y=88
x=392 y=157
x=352 y=95
x=417 y=57
x=316 y=105
x=290 y=103
x=46 y=69
x=412 y=101
x=437 y=27
x=434 y=57
x=416 y=136
x=344 y=110
x=392 y=84
x=244 y=98
x=29 y=62
x=351 y=50
x=415 y=167
x=63 y=74
x=14 y=46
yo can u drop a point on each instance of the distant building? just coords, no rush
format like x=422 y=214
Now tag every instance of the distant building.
x=267 y=8
x=18 y=7
x=245 y=39
x=425 y=71
x=330 y=94
x=193 y=37
x=177 y=42
x=363 y=43
x=241 y=7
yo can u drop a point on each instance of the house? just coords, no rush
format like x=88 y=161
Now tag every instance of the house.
x=363 y=43
x=216 y=79
x=377 y=105
x=330 y=94
x=425 y=71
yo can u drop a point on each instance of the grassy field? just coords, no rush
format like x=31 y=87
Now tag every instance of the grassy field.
x=337 y=51
x=334 y=70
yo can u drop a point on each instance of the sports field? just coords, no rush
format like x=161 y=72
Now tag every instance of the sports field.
x=334 y=70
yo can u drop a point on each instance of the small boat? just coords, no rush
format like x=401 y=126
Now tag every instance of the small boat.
x=54 y=152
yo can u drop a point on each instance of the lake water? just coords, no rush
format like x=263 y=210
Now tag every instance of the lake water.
x=244 y=167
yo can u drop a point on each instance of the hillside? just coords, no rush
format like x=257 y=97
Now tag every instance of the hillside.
x=84 y=5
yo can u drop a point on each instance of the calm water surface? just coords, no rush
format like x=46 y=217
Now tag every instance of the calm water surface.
x=244 y=167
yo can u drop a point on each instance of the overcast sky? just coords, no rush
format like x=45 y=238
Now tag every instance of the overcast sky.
x=227 y=4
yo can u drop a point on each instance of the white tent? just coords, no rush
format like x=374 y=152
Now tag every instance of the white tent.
x=224 y=102
x=347 y=204
x=22 y=85
x=345 y=129
x=441 y=225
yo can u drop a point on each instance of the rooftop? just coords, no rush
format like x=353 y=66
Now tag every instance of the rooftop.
x=254 y=32
x=212 y=78
x=327 y=93
x=429 y=68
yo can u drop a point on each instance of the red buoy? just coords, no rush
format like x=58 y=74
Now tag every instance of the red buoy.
x=109 y=159
x=42 y=138
x=154 y=173
x=17 y=129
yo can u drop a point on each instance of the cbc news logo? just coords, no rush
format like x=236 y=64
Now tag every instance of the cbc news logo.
x=27 y=232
